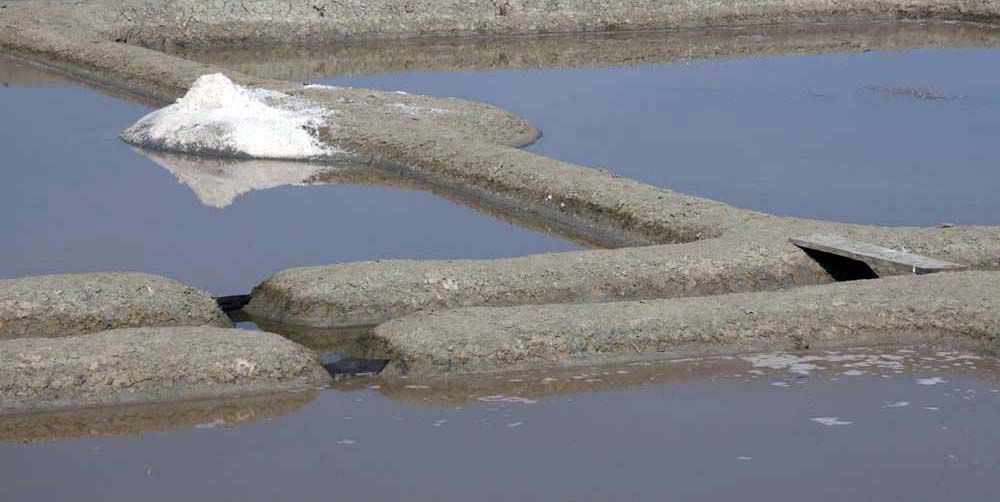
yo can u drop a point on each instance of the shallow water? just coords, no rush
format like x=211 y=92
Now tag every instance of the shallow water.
x=847 y=425
x=77 y=199
x=897 y=136
x=812 y=136
x=890 y=424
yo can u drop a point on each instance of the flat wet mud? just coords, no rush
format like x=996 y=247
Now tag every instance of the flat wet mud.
x=884 y=124
x=80 y=200
x=836 y=425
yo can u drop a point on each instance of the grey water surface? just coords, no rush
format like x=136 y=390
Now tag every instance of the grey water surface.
x=847 y=425
x=77 y=199
x=882 y=137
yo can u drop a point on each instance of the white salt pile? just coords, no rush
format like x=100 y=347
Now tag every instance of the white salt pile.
x=219 y=117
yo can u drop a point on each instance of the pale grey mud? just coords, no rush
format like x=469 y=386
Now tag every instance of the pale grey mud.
x=913 y=424
x=73 y=304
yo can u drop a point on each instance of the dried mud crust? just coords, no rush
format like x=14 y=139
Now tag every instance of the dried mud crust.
x=150 y=365
x=949 y=309
x=210 y=22
x=74 y=304
x=752 y=254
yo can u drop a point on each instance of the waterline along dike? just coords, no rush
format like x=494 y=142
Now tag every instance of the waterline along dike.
x=393 y=251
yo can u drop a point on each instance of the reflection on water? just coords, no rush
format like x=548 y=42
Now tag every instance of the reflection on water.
x=344 y=352
x=591 y=50
x=146 y=418
x=845 y=425
x=23 y=73
x=218 y=181
x=809 y=136
x=844 y=128
x=80 y=200
x=350 y=341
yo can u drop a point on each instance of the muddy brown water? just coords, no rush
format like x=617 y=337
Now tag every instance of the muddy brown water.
x=852 y=425
x=77 y=199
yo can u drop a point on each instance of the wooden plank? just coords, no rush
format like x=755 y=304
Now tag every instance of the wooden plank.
x=872 y=254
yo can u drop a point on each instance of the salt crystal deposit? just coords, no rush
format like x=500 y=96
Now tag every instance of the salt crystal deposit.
x=220 y=117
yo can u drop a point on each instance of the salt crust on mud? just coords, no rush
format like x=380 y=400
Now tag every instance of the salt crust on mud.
x=805 y=364
x=219 y=117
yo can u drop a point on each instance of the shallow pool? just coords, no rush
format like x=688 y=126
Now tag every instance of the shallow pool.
x=77 y=199
x=843 y=425
x=890 y=138
x=889 y=124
